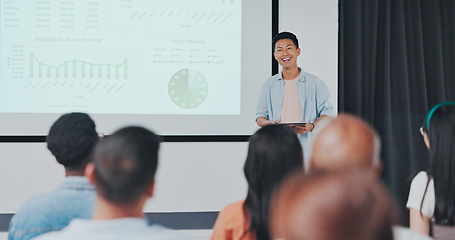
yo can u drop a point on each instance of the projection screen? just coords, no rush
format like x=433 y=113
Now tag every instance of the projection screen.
x=179 y=67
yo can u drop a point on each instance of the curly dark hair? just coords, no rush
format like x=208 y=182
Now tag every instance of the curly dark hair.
x=71 y=140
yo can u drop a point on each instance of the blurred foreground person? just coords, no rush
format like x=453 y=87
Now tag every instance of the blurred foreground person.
x=349 y=142
x=337 y=205
x=124 y=175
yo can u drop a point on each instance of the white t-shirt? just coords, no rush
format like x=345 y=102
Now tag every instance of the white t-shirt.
x=122 y=228
x=416 y=193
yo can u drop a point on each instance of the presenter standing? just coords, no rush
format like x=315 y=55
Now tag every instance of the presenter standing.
x=293 y=96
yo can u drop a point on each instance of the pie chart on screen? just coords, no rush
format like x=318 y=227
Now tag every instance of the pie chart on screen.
x=188 y=88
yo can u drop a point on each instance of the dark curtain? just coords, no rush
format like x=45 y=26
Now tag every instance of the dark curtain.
x=397 y=60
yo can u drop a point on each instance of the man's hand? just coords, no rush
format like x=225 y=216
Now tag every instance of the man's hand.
x=274 y=122
x=262 y=122
x=302 y=130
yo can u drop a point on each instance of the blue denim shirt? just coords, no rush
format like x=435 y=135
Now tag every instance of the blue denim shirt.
x=74 y=198
x=314 y=99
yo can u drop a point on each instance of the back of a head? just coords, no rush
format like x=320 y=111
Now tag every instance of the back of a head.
x=274 y=152
x=346 y=141
x=332 y=205
x=441 y=132
x=125 y=164
x=71 y=140
x=440 y=129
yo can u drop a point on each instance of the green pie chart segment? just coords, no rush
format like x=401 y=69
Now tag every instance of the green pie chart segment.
x=188 y=88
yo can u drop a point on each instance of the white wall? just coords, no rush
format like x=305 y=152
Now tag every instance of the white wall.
x=26 y=169
x=190 y=177
x=199 y=176
x=316 y=25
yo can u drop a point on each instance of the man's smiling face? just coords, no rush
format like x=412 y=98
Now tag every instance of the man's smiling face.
x=286 y=53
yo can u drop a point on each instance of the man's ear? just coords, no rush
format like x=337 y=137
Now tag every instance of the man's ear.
x=378 y=169
x=298 y=51
x=274 y=56
x=90 y=172
x=151 y=189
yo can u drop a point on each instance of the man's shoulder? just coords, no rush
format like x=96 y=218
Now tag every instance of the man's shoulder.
x=273 y=78
x=311 y=77
x=51 y=211
x=34 y=218
x=157 y=231
x=53 y=200
x=37 y=204
x=113 y=229
x=271 y=81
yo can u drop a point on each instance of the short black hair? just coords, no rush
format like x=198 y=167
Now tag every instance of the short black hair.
x=125 y=164
x=71 y=140
x=285 y=35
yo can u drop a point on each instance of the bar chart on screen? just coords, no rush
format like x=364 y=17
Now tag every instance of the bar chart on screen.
x=123 y=56
x=76 y=68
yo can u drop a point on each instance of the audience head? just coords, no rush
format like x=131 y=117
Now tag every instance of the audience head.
x=71 y=140
x=124 y=166
x=274 y=151
x=439 y=136
x=337 y=204
x=439 y=127
x=347 y=141
x=285 y=35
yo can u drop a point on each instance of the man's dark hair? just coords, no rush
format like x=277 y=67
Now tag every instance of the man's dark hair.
x=71 y=140
x=285 y=35
x=125 y=164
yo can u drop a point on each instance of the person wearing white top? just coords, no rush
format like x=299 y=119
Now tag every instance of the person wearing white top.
x=420 y=189
x=432 y=195
x=123 y=172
